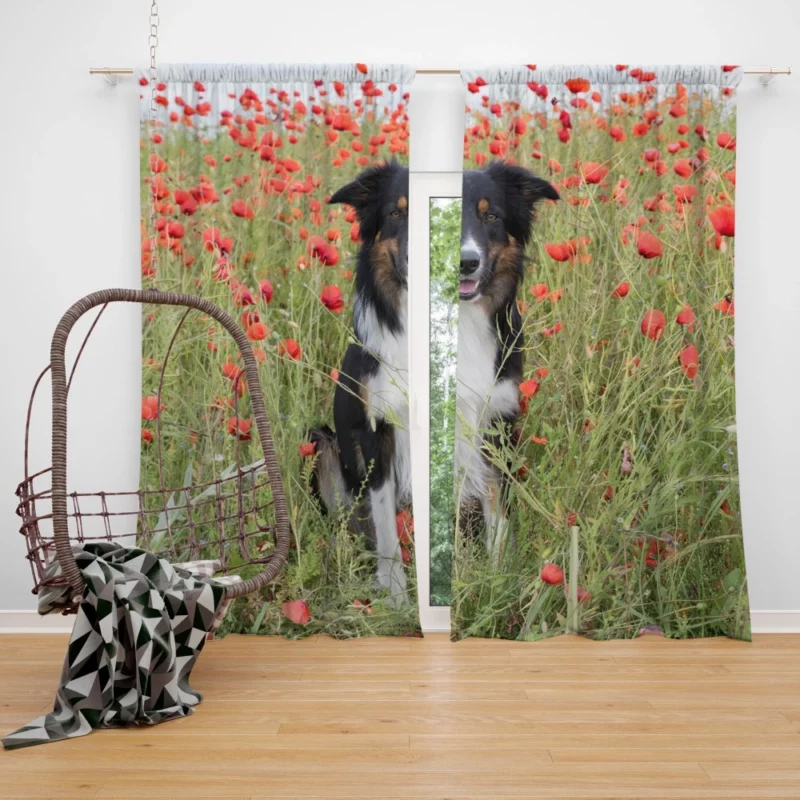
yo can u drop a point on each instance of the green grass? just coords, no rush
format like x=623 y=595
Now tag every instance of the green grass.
x=328 y=567
x=596 y=410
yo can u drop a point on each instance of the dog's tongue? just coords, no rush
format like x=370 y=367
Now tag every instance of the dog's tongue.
x=467 y=287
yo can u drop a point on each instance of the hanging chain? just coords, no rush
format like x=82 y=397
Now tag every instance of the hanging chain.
x=152 y=40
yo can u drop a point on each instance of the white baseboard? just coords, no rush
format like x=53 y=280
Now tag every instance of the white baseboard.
x=31 y=622
x=775 y=621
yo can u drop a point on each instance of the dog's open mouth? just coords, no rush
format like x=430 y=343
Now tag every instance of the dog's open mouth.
x=467 y=289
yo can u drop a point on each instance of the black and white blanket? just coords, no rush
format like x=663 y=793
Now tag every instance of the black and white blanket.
x=137 y=635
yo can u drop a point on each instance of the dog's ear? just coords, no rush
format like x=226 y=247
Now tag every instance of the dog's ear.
x=364 y=195
x=523 y=191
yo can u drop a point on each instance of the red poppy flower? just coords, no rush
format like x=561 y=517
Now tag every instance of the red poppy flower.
x=725 y=306
x=249 y=317
x=617 y=134
x=685 y=193
x=362 y=68
x=157 y=164
x=649 y=245
x=175 y=230
x=686 y=316
x=242 y=209
x=621 y=290
x=242 y=296
x=539 y=439
x=683 y=167
x=147 y=436
x=584 y=595
x=296 y=611
x=365 y=607
x=212 y=237
x=552 y=574
x=723 y=219
x=593 y=172
x=240 y=428
x=325 y=252
x=331 y=298
x=231 y=371
x=529 y=388
x=690 y=361
x=257 y=331
x=653 y=324
x=548 y=333
x=571 y=249
x=404 y=524
x=726 y=141
x=265 y=287
x=186 y=203
x=308 y=449
x=539 y=290
x=578 y=85
x=289 y=347
x=150 y=407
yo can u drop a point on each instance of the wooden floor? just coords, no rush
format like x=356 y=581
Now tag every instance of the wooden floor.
x=403 y=718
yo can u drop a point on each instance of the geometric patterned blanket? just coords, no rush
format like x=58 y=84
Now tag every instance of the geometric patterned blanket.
x=137 y=635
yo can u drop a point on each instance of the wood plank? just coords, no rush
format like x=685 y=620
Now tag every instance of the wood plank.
x=600 y=739
x=403 y=718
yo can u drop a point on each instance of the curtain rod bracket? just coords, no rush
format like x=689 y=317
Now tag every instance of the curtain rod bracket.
x=767 y=77
x=111 y=74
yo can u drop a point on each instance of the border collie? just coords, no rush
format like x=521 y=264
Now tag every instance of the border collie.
x=370 y=407
x=498 y=205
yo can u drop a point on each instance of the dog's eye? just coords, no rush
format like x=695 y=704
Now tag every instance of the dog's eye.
x=491 y=217
x=396 y=214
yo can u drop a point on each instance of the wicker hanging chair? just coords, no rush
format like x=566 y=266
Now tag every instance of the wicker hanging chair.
x=222 y=519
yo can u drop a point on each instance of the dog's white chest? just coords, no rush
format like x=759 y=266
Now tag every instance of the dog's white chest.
x=387 y=389
x=480 y=397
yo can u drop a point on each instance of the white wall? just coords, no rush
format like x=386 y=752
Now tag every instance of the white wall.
x=69 y=200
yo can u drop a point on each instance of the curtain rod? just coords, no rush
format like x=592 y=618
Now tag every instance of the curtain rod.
x=747 y=71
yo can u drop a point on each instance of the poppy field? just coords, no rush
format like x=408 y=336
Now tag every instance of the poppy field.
x=625 y=508
x=235 y=179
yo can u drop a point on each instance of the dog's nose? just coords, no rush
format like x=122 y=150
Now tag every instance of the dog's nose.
x=470 y=261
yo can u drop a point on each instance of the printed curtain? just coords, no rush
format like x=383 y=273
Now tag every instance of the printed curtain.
x=237 y=179
x=595 y=455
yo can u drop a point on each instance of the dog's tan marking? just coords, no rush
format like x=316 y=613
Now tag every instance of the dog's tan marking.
x=402 y=203
x=382 y=256
x=483 y=205
x=504 y=283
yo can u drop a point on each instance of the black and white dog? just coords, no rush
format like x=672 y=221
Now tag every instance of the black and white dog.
x=370 y=406
x=498 y=206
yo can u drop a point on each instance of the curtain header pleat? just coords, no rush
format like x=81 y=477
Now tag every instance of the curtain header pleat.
x=283 y=73
x=606 y=75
